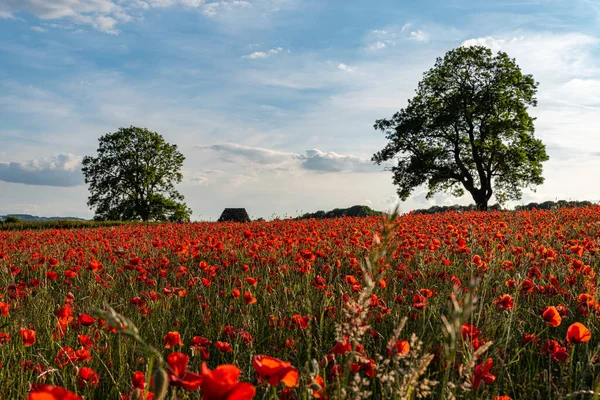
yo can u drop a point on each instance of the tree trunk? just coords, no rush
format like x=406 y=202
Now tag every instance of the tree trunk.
x=145 y=214
x=481 y=199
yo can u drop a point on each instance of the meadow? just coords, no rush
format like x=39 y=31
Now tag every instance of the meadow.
x=473 y=305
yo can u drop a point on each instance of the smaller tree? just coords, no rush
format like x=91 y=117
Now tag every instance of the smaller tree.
x=133 y=177
x=467 y=128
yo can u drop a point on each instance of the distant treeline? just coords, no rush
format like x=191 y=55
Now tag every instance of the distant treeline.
x=454 y=207
x=552 y=205
x=546 y=205
x=354 y=211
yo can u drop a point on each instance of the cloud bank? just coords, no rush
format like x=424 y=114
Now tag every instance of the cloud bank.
x=312 y=160
x=105 y=15
x=63 y=170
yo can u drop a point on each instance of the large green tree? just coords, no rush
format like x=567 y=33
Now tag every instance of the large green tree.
x=133 y=177
x=467 y=128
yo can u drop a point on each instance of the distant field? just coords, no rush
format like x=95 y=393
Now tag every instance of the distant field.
x=497 y=303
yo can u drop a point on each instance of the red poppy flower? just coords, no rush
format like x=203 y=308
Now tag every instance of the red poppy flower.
x=85 y=341
x=578 y=333
x=274 y=371
x=87 y=375
x=4 y=309
x=527 y=286
x=138 y=381
x=248 y=298
x=199 y=341
x=49 y=392
x=222 y=384
x=552 y=316
x=172 y=339
x=401 y=347
x=28 y=336
x=4 y=338
x=342 y=347
x=179 y=375
x=300 y=321
x=469 y=332
x=482 y=374
x=505 y=302
x=86 y=320
x=554 y=350
x=529 y=338
x=318 y=386
x=419 y=302
x=223 y=347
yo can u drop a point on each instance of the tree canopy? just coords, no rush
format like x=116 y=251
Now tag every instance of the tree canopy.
x=467 y=128
x=133 y=177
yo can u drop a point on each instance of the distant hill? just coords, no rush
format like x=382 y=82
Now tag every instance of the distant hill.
x=35 y=218
x=354 y=211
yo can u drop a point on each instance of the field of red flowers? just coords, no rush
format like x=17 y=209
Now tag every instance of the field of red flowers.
x=468 y=305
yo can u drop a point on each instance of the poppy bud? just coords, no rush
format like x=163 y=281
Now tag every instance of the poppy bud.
x=136 y=395
x=160 y=383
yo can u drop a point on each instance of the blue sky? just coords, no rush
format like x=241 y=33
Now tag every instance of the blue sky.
x=271 y=101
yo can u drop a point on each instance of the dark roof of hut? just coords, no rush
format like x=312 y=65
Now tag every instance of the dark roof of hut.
x=234 y=215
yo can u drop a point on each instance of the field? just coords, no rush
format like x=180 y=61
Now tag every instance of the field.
x=467 y=305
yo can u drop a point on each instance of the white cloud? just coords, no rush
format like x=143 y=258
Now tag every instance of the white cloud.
x=105 y=24
x=105 y=15
x=578 y=92
x=38 y=29
x=62 y=170
x=316 y=160
x=377 y=45
x=215 y=8
x=6 y=15
x=312 y=160
x=346 y=68
x=419 y=36
x=405 y=27
x=263 y=54
x=554 y=56
x=198 y=180
x=258 y=155
x=256 y=54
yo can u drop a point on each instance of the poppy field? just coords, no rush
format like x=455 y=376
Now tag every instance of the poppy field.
x=473 y=305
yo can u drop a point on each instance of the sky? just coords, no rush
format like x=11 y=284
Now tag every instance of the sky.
x=272 y=102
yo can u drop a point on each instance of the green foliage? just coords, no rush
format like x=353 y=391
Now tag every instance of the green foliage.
x=467 y=128
x=354 y=211
x=552 y=205
x=11 y=219
x=134 y=176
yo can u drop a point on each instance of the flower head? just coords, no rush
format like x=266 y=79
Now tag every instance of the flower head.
x=222 y=384
x=274 y=371
x=578 y=333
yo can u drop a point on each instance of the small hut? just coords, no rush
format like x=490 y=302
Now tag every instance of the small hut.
x=234 y=215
